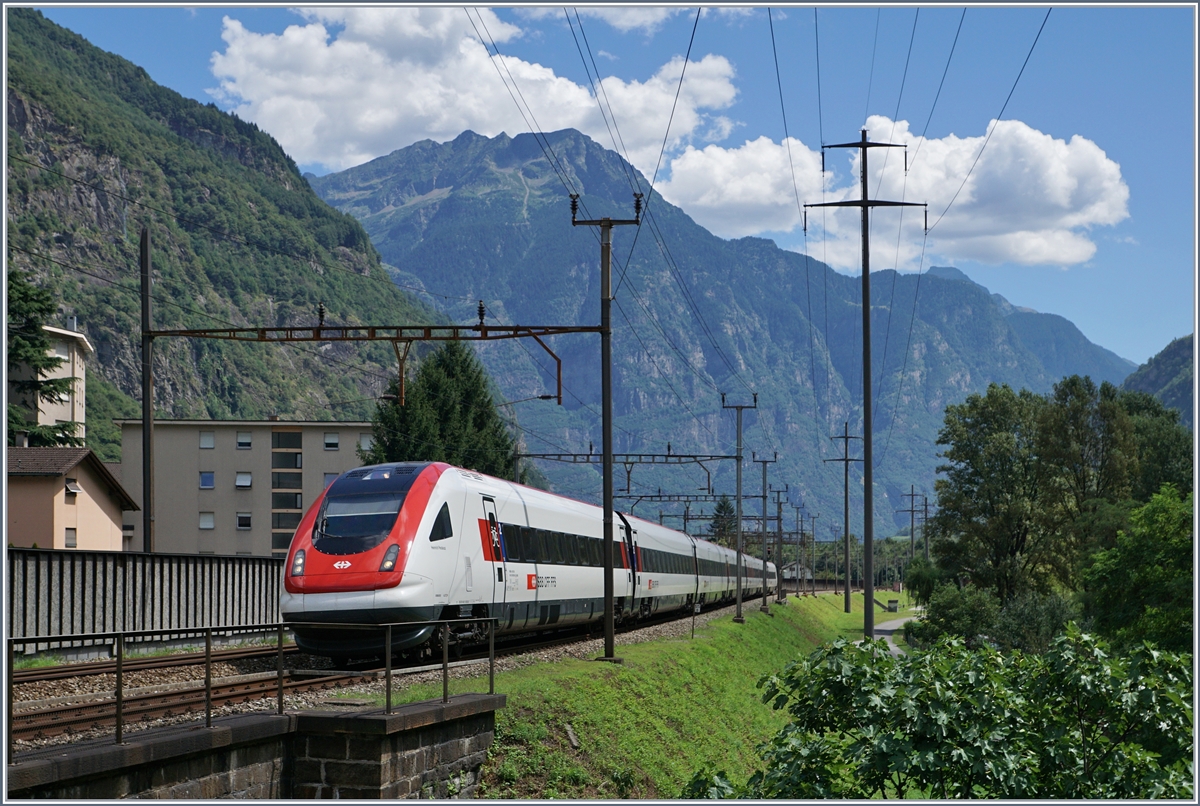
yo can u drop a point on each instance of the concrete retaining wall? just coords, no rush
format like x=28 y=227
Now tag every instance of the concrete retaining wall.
x=426 y=750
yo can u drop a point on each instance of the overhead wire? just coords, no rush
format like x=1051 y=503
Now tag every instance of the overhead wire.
x=1016 y=81
x=800 y=211
x=900 y=228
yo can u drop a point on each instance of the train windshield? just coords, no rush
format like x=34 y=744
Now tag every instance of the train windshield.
x=349 y=524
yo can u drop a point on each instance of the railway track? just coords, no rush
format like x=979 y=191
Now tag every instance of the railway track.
x=82 y=713
x=68 y=670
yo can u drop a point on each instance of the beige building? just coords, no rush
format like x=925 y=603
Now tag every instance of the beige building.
x=72 y=347
x=234 y=486
x=64 y=498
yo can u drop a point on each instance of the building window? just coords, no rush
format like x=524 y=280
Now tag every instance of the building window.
x=286 y=439
x=242 y=482
x=330 y=478
x=62 y=350
x=286 y=481
x=207 y=479
x=208 y=439
x=71 y=538
x=285 y=501
x=243 y=520
x=331 y=440
x=207 y=520
x=364 y=442
x=288 y=460
x=281 y=541
x=73 y=488
x=243 y=440
x=285 y=520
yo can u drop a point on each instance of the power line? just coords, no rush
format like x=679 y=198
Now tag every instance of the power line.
x=999 y=117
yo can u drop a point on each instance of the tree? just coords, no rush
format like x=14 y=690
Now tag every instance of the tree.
x=1164 y=445
x=723 y=527
x=968 y=613
x=987 y=526
x=29 y=308
x=953 y=722
x=1141 y=589
x=448 y=416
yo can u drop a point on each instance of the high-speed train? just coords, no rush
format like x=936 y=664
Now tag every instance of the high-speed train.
x=414 y=542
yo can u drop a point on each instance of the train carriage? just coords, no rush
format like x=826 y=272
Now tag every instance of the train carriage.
x=415 y=542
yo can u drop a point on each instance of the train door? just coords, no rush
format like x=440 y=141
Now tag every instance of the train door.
x=634 y=582
x=495 y=552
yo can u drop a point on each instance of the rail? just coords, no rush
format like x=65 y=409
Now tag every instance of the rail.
x=118 y=640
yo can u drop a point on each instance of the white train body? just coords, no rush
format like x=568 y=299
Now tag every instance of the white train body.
x=531 y=559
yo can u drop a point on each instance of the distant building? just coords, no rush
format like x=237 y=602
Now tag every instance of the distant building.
x=72 y=347
x=64 y=498
x=234 y=486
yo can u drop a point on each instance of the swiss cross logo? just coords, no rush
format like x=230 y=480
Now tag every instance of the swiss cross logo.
x=340 y=564
x=531 y=582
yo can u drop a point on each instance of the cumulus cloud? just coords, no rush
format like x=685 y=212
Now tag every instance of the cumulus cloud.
x=352 y=84
x=1031 y=198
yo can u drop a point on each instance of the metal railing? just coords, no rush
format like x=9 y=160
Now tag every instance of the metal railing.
x=118 y=640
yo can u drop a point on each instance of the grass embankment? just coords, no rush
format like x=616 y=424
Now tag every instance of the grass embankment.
x=646 y=726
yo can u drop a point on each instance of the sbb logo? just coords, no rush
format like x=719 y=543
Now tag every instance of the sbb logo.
x=531 y=582
x=340 y=564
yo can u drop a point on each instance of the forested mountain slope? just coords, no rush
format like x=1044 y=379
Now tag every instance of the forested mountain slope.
x=1168 y=376
x=695 y=315
x=97 y=151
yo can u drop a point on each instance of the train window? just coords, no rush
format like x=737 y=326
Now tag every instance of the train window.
x=441 y=525
x=571 y=544
x=596 y=550
x=516 y=543
x=554 y=547
x=348 y=524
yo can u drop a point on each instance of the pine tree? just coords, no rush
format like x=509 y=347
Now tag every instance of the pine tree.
x=448 y=416
x=723 y=528
x=29 y=307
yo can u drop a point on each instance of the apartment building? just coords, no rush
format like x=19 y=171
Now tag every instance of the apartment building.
x=234 y=486
x=73 y=348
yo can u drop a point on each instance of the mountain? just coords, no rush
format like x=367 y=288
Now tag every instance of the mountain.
x=1168 y=376
x=96 y=151
x=1062 y=348
x=695 y=316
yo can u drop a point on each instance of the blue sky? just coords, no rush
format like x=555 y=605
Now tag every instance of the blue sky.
x=1082 y=204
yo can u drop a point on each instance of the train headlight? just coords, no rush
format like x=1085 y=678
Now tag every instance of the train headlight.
x=389 y=559
x=298 y=564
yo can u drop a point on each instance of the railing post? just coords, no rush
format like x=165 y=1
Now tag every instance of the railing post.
x=120 y=693
x=9 y=696
x=492 y=656
x=208 y=677
x=387 y=673
x=445 y=663
x=279 y=668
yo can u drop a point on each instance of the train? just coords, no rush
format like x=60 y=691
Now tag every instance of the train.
x=412 y=542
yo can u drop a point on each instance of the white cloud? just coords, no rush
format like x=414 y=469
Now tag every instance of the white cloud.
x=355 y=83
x=1031 y=199
x=625 y=19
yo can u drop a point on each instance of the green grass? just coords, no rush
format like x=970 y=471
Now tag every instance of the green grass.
x=645 y=726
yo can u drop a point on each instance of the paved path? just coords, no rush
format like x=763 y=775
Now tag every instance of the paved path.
x=887 y=628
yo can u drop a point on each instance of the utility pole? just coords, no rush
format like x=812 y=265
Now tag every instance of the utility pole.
x=846 y=460
x=799 y=542
x=813 y=518
x=912 y=519
x=925 y=528
x=738 y=618
x=780 y=596
x=606 y=225
x=764 y=462
x=147 y=399
x=865 y=205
